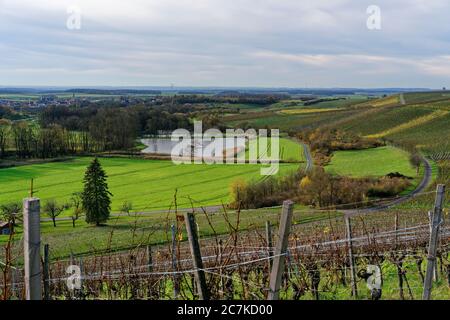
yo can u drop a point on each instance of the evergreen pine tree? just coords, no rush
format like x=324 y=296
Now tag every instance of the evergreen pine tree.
x=96 y=196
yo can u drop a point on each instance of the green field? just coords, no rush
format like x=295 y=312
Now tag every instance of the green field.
x=371 y=162
x=290 y=151
x=149 y=185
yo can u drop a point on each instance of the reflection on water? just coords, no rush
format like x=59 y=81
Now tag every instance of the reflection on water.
x=164 y=146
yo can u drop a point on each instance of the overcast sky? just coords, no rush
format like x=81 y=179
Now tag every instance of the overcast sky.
x=281 y=43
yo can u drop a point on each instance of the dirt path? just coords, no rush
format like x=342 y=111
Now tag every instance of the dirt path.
x=306 y=154
x=402 y=99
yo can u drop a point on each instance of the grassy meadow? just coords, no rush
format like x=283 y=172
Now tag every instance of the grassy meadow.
x=375 y=162
x=148 y=184
x=290 y=151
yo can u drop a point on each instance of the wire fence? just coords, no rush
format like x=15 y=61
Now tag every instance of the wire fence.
x=237 y=265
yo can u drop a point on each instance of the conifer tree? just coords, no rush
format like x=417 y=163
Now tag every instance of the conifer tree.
x=96 y=198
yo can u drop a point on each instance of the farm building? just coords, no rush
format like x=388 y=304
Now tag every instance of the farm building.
x=5 y=228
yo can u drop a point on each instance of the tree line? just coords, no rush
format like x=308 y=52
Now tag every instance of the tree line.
x=324 y=141
x=68 y=130
x=228 y=97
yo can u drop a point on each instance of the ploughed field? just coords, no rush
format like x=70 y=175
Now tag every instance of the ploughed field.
x=148 y=184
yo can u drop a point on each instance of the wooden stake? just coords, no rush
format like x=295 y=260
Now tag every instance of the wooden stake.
x=46 y=273
x=174 y=261
x=32 y=248
x=81 y=292
x=396 y=228
x=280 y=251
x=200 y=278
x=149 y=259
x=350 y=257
x=222 y=288
x=434 y=237
x=13 y=282
x=269 y=241
x=435 y=271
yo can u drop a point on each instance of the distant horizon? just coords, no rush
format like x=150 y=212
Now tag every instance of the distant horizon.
x=152 y=87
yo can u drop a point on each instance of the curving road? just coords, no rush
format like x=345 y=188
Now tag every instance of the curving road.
x=306 y=154
x=308 y=157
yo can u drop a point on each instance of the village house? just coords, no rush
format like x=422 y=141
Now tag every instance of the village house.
x=5 y=228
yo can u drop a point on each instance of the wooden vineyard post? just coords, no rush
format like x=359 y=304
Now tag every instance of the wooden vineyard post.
x=350 y=256
x=435 y=271
x=32 y=248
x=222 y=288
x=269 y=243
x=46 y=273
x=72 y=263
x=149 y=259
x=396 y=228
x=81 y=291
x=191 y=227
x=150 y=286
x=174 y=262
x=280 y=251
x=13 y=281
x=434 y=237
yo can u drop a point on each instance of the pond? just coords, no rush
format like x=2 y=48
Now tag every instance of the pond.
x=164 y=146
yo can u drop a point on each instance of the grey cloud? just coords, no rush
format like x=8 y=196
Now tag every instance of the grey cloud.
x=218 y=42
